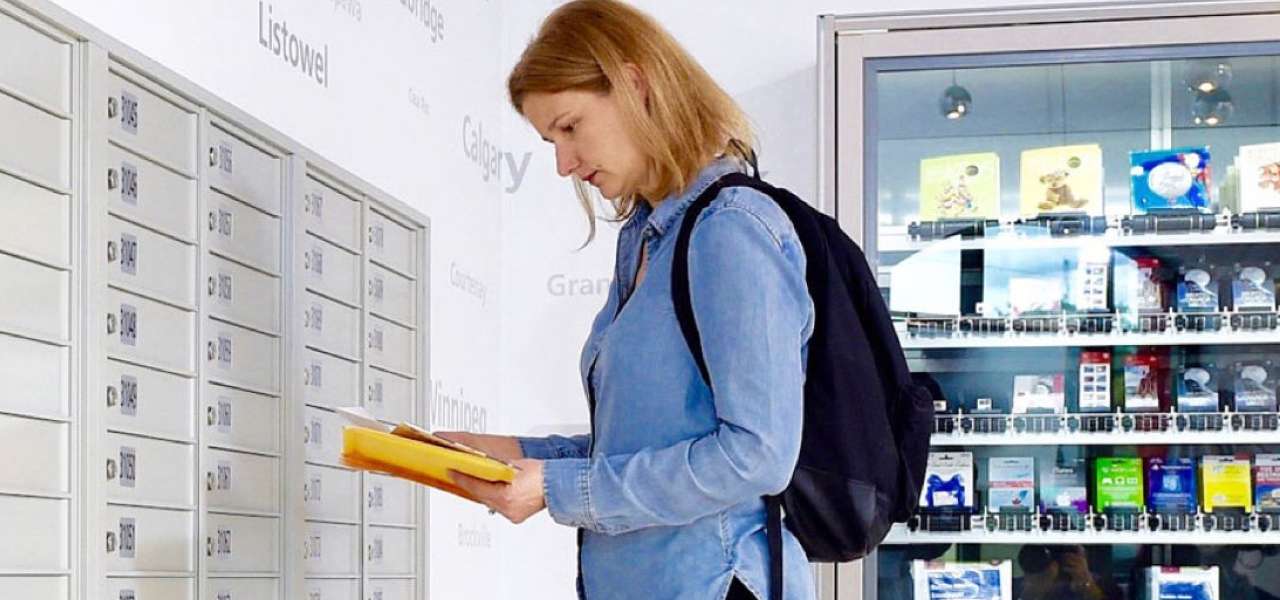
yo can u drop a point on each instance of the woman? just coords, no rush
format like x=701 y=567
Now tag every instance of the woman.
x=667 y=491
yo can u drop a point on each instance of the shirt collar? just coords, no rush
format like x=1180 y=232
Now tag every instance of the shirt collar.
x=673 y=206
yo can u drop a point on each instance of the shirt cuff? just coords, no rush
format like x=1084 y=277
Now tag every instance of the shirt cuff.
x=567 y=491
x=537 y=448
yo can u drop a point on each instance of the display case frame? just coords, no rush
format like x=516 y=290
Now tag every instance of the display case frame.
x=854 y=49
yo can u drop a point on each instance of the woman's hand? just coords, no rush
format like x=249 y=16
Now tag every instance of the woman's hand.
x=518 y=500
x=502 y=447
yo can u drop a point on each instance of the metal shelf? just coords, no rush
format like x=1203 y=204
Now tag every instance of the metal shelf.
x=901 y=535
x=1087 y=340
x=1132 y=438
x=896 y=241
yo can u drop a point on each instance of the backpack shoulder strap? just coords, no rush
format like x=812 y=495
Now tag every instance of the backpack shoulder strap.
x=683 y=303
x=680 y=295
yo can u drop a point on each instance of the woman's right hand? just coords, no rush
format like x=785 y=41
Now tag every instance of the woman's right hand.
x=502 y=447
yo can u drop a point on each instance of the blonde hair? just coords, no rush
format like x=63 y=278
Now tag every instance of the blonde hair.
x=687 y=119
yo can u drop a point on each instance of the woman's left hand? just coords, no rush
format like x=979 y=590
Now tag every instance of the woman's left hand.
x=518 y=500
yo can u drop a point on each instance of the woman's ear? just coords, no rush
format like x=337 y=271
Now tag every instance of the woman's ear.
x=637 y=81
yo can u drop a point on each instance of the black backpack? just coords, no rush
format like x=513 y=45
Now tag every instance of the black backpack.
x=866 y=424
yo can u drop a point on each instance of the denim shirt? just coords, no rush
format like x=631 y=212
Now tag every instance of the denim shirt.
x=668 y=493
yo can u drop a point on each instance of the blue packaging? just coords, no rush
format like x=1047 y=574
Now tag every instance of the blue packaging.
x=1255 y=387
x=1170 y=179
x=962 y=581
x=1181 y=583
x=948 y=481
x=1197 y=291
x=1198 y=389
x=1253 y=289
x=1171 y=485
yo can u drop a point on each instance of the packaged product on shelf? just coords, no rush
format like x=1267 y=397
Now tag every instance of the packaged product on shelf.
x=1011 y=482
x=1095 y=381
x=1197 y=289
x=1064 y=486
x=935 y=580
x=1171 y=485
x=1140 y=289
x=948 y=481
x=1255 y=387
x=1142 y=382
x=1029 y=296
x=1017 y=283
x=1259 y=172
x=1039 y=393
x=1254 y=288
x=1117 y=483
x=1198 y=389
x=961 y=186
x=984 y=405
x=1227 y=483
x=1266 y=482
x=1089 y=281
x=1181 y=583
x=1170 y=179
x=1062 y=179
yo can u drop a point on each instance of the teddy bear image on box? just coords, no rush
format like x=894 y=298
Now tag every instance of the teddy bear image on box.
x=1057 y=192
x=1259 y=169
x=1061 y=179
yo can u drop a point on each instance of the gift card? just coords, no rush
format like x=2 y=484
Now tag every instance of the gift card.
x=1227 y=483
x=1011 y=482
x=1064 y=485
x=1171 y=485
x=1118 y=483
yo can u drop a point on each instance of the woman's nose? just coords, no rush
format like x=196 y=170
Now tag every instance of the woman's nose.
x=566 y=161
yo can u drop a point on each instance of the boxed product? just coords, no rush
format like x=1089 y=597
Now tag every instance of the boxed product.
x=1259 y=172
x=1171 y=485
x=1095 y=381
x=1254 y=288
x=1117 y=483
x=961 y=186
x=1064 y=485
x=1170 y=179
x=1142 y=382
x=1089 y=281
x=1030 y=296
x=1011 y=482
x=1140 y=288
x=935 y=580
x=1062 y=179
x=1039 y=393
x=1181 y=583
x=1018 y=283
x=1197 y=290
x=1266 y=482
x=1255 y=387
x=1227 y=482
x=1198 y=389
x=948 y=481
x=984 y=405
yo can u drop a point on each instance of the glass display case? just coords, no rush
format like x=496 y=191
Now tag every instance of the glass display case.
x=1075 y=219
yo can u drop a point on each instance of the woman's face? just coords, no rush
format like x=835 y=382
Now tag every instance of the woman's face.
x=590 y=137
